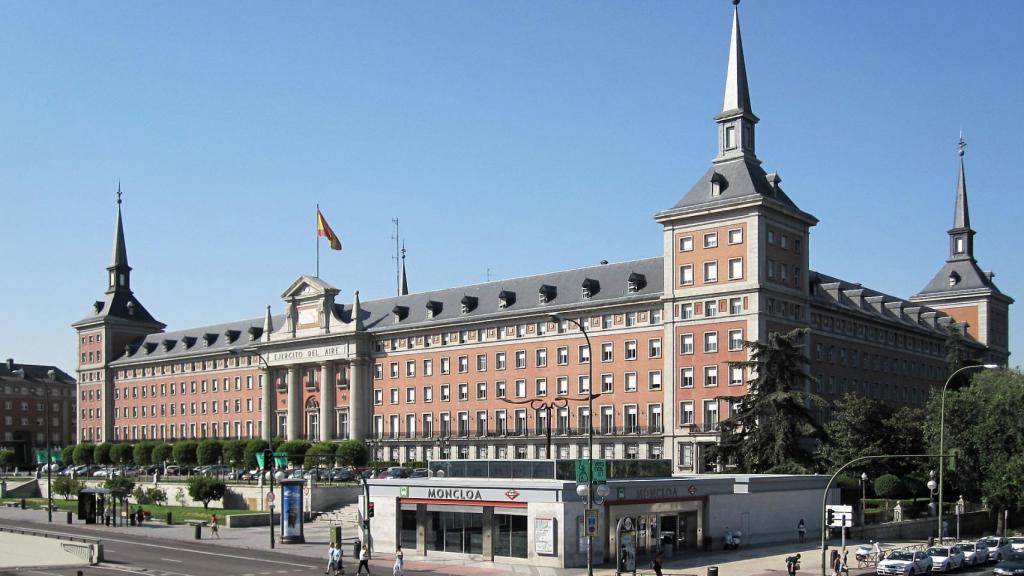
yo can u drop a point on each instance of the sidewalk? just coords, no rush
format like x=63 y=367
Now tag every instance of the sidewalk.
x=750 y=561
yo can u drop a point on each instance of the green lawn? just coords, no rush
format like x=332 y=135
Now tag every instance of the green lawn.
x=179 y=513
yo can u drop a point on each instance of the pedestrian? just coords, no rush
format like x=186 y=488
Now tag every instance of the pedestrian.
x=399 y=568
x=801 y=528
x=656 y=564
x=364 y=561
x=139 y=514
x=792 y=565
x=837 y=564
x=845 y=567
x=338 y=567
x=214 y=526
x=332 y=565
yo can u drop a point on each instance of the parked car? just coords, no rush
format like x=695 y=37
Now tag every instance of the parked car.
x=905 y=563
x=998 y=547
x=395 y=472
x=945 y=558
x=1017 y=543
x=975 y=553
x=341 y=475
x=172 y=470
x=217 y=470
x=1012 y=566
x=420 y=473
x=107 y=473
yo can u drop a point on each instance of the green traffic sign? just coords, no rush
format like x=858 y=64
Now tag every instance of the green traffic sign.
x=600 y=470
x=583 y=471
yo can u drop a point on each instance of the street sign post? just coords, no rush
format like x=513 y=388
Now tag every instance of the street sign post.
x=591 y=521
x=600 y=471
x=842 y=518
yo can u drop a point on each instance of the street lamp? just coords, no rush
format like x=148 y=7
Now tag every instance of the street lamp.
x=959 y=511
x=863 y=494
x=49 y=457
x=931 y=495
x=585 y=488
x=942 y=430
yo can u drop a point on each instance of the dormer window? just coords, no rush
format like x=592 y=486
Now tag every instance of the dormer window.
x=209 y=339
x=468 y=304
x=231 y=335
x=506 y=298
x=255 y=332
x=954 y=278
x=635 y=282
x=400 y=312
x=546 y=294
x=433 y=309
x=718 y=184
x=131 y=308
x=168 y=344
x=589 y=288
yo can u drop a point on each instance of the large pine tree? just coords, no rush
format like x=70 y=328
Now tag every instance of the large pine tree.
x=773 y=431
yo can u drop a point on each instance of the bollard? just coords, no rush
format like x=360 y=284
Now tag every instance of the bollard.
x=106 y=520
x=22 y=503
x=355 y=548
x=199 y=531
x=712 y=570
x=131 y=519
x=170 y=520
x=69 y=516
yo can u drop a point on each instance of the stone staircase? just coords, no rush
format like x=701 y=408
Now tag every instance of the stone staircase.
x=345 y=515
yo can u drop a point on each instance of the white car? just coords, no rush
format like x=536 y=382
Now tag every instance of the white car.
x=905 y=563
x=974 y=552
x=1017 y=543
x=945 y=558
x=998 y=547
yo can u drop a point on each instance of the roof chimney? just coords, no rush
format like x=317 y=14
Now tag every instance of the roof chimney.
x=10 y=364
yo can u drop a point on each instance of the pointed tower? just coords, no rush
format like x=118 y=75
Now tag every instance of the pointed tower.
x=962 y=289
x=735 y=257
x=113 y=325
x=403 y=282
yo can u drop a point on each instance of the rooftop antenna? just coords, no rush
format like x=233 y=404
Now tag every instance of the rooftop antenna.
x=961 y=145
x=488 y=273
x=398 y=259
x=119 y=180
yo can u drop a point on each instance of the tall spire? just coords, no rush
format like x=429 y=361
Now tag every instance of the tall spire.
x=119 y=271
x=961 y=236
x=403 y=282
x=268 y=325
x=737 y=119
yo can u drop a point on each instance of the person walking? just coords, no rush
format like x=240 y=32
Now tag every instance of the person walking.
x=656 y=564
x=399 y=568
x=792 y=565
x=364 y=561
x=331 y=565
x=338 y=567
x=214 y=526
x=801 y=528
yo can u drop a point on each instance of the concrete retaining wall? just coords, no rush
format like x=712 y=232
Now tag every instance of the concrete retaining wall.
x=971 y=524
x=31 y=548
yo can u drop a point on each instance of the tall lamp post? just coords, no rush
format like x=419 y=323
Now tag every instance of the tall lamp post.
x=863 y=494
x=942 y=430
x=557 y=318
x=931 y=493
x=49 y=456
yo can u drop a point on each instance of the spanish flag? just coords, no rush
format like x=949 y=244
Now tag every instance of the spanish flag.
x=324 y=229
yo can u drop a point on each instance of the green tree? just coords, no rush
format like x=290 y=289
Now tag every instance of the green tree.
x=854 y=431
x=889 y=486
x=142 y=453
x=123 y=484
x=206 y=489
x=321 y=455
x=84 y=453
x=185 y=452
x=66 y=486
x=68 y=454
x=234 y=453
x=252 y=447
x=162 y=452
x=773 y=431
x=352 y=453
x=209 y=452
x=156 y=496
x=296 y=450
x=121 y=454
x=7 y=456
x=101 y=454
x=904 y=430
x=984 y=428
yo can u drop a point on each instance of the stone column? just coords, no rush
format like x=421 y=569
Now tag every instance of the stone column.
x=269 y=404
x=358 y=400
x=328 y=391
x=294 y=402
x=488 y=533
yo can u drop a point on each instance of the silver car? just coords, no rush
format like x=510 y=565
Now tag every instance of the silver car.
x=975 y=553
x=998 y=547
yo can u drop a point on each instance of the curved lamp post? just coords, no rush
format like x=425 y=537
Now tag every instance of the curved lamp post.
x=558 y=318
x=942 y=430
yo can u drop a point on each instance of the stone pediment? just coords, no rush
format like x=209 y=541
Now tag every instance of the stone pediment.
x=308 y=288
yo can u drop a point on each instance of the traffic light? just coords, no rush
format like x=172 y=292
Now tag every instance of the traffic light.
x=268 y=459
x=369 y=511
x=830 y=517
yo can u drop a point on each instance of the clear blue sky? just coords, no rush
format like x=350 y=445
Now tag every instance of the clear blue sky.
x=523 y=137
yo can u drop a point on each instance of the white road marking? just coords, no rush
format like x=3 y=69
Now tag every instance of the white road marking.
x=171 y=560
x=41 y=572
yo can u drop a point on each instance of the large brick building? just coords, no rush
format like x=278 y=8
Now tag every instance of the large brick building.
x=31 y=394
x=454 y=372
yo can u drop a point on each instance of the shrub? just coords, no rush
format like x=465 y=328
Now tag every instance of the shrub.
x=296 y=450
x=353 y=453
x=889 y=486
x=209 y=452
x=162 y=452
x=68 y=454
x=156 y=496
x=143 y=453
x=206 y=489
x=83 y=453
x=120 y=483
x=185 y=452
x=121 y=453
x=234 y=452
x=66 y=486
x=321 y=454
x=252 y=447
x=7 y=456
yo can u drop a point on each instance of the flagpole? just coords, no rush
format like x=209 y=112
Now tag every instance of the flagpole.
x=317 y=237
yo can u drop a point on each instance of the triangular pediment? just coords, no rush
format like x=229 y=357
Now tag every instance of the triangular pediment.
x=307 y=288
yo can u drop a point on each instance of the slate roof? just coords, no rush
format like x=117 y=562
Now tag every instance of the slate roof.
x=212 y=339
x=972 y=281
x=115 y=304
x=32 y=372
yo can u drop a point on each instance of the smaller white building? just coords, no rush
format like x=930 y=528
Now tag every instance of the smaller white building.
x=539 y=521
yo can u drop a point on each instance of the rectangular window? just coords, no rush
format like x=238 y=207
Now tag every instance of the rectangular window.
x=735 y=305
x=562 y=356
x=378 y=396
x=481 y=390
x=686 y=412
x=542 y=386
x=607 y=383
x=520 y=388
x=481 y=362
x=410 y=395
x=499 y=389
x=711 y=240
x=428 y=367
x=735 y=268
x=710 y=376
x=378 y=372
x=711 y=271
x=428 y=394
x=686 y=243
x=584 y=384
x=710 y=415
x=584 y=354
x=654 y=348
x=542 y=357
x=710 y=342
x=446 y=365
x=686 y=344
x=711 y=308
x=735 y=340
x=394 y=369
x=736 y=236
x=520 y=359
x=463 y=391
x=686 y=377
x=562 y=386
x=410 y=368
x=654 y=380
x=393 y=393
x=686 y=274
x=446 y=393
x=629 y=381
x=735 y=375
x=630 y=351
x=499 y=360
x=463 y=364
x=686 y=311
x=607 y=352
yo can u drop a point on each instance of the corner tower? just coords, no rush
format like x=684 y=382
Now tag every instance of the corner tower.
x=735 y=257
x=963 y=290
x=114 y=322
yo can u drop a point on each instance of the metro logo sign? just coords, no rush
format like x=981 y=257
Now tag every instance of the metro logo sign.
x=512 y=493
